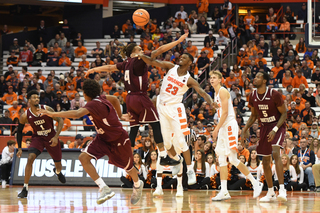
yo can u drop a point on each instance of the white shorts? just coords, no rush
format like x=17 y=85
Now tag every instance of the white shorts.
x=174 y=126
x=227 y=138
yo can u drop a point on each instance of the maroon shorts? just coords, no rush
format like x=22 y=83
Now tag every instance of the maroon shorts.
x=142 y=109
x=39 y=144
x=119 y=151
x=265 y=147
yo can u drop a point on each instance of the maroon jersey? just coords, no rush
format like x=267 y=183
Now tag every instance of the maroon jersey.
x=105 y=119
x=266 y=105
x=42 y=125
x=135 y=74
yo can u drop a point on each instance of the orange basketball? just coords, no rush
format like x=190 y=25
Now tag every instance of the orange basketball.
x=141 y=17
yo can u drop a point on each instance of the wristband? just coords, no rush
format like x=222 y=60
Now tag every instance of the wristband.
x=275 y=129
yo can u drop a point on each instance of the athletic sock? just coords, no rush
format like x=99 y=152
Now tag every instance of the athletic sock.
x=176 y=157
x=281 y=187
x=179 y=180
x=26 y=185
x=163 y=153
x=159 y=181
x=189 y=167
x=100 y=183
x=251 y=178
x=224 y=187
x=136 y=184
x=270 y=191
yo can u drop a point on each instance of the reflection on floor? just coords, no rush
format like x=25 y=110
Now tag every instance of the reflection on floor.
x=83 y=199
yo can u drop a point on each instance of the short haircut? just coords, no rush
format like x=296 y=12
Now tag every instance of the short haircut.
x=190 y=56
x=32 y=92
x=203 y=138
x=265 y=76
x=217 y=73
x=11 y=142
x=91 y=88
x=28 y=139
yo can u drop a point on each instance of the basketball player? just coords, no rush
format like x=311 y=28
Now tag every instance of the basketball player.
x=227 y=132
x=173 y=118
x=267 y=105
x=112 y=140
x=138 y=103
x=44 y=136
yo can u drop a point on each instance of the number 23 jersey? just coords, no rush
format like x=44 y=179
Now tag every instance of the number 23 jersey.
x=267 y=105
x=173 y=87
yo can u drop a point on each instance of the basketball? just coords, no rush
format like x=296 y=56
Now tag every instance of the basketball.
x=140 y=17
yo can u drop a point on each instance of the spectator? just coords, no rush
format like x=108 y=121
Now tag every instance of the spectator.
x=5 y=119
x=225 y=70
x=12 y=60
x=216 y=17
x=302 y=14
x=289 y=15
x=6 y=162
x=53 y=61
x=65 y=103
x=260 y=58
x=117 y=56
x=80 y=50
x=208 y=50
x=230 y=80
x=77 y=39
x=54 y=40
x=56 y=48
x=14 y=110
x=64 y=60
x=310 y=64
x=84 y=63
x=183 y=13
x=180 y=22
x=116 y=32
x=203 y=63
x=307 y=159
x=63 y=39
x=272 y=26
x=293 y=113
x=209 y=38
x=222 y=40
x=49 y=81
x=174 y=28
x=305 y=69
x=226 y=8
x=78 y=99
x=66 y=29
x=97 y=51
x=78 y=143
x=203 y=7
x=26 y=55
x=285 y=26
x=42 y=31
x=69 y=51
x=79 y=82
x=249 y=22
x=202 y=25
x=9 y=97
x=15 y=46
x=66 y=124
x=38 y=57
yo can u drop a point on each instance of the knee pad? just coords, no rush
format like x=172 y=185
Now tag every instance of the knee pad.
x=157 y=132
x=223 y=160
x=133 y=134
x=233 y=159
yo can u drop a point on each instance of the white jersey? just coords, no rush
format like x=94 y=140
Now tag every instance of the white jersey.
x=173 y=87
x=231 y=115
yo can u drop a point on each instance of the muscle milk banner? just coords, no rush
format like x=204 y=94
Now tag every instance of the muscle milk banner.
x=42 y=171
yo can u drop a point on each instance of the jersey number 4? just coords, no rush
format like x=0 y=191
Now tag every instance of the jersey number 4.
x=127 y=76
x=171 y=89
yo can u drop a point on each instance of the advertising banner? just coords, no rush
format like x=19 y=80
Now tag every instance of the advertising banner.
x=42 y=171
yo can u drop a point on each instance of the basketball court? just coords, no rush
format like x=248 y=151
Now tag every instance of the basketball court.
x=83 y=199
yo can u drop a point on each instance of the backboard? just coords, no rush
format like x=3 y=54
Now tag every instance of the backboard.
x=312 y=27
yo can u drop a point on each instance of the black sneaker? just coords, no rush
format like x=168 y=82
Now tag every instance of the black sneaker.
x=23 y=193
x=185 y=188
x=167 y=161
x=311 y=188
x=61 y=177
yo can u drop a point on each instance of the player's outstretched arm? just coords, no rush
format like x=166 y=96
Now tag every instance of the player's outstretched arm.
x=66 y=114
x=195 y=85
x=22 y=121
x=59 y=120
x=105 y=68
x=166 y=47
x=148 y=60
x=115 y=103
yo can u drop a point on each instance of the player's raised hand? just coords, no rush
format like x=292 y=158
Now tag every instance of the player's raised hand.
x=44 y=112
x=271 y=135
x=127 y=117
x=244 y=136
x=54 y=141
x=19 y=153
x=183 y=37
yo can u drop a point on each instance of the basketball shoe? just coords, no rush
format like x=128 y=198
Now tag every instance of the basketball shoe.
x=136 y=193
x=221 y=196
x=105 y=194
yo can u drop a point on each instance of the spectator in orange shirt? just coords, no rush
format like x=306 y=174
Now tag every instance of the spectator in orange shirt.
x=249 y=22
x=57 y=49
x=143 y=46
x=179 y=20
x=245 y=62
x=276 y=69
x=66 y=124
x=147 y=40
x=14 y=109
x=125 y=25
x=84 y=62
x=260 y=58
x=224 y=30
x=78 y=143
x=230 y=80
x=310 y=63
x=203 y=7
x=208 y=49
x=107 y=85
x=10 y=97
x=193 y=50
x=272 y=26
x=64 y=60
x=285 y=26
x=80 y=50
x=287 y=79
x=72 y=92
x=299 y=79
x=122 y=93
x=13 y=60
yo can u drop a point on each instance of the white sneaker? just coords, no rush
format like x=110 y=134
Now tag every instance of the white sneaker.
x=158 y=191
x=179 y=191
x=221 y=196
x=176 y=168
x=3 y=184
x=257 y=190
x=269 y=198
x=191 y=177
x=282 y=195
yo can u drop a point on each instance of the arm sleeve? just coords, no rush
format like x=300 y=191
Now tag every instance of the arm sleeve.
x=19 y=134
x=293 y=173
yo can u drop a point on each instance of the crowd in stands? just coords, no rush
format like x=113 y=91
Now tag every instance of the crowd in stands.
x=289 y=73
